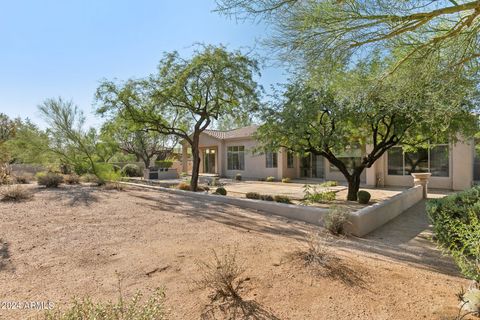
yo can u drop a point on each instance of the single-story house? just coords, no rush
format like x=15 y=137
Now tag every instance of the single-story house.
x=227 y=153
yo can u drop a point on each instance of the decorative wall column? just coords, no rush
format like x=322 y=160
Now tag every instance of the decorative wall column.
x=421 y=179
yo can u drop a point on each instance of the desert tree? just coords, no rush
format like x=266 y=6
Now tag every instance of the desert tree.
x=329 y=114
x=186 y=95
x=317 y=29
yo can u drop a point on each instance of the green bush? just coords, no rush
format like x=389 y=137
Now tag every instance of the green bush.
x=238 y=177
x=253 y=195
x=335 y=220
x=49 y=179
x=363 y=196
x=137 y=308
x=329 y=184
x=311 y=195
x=456 y=226
x=221 y=191
x=286 y=180
x=282 y=199
x=267 y=197
x=166 y=164
x=90 y=178
x=270 y=179
x=132 y=170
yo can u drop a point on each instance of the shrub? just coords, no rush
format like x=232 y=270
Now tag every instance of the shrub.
x=90 y=178
x=23 y=178
x=131 y=170
x=166 y=164
x=49 y=179
x=335 y=220
x=4 y=173
x=363 y=196
x=116 y=168
x=114 y=186
x=270 y=179
x=282 y=199
x=223 y=275
x=183 y=186
x=329 y=184
x=238 y=177
x=151 y=308
x=183 y=174
x=286 y=180
x=317 y=253
x=15 y=193
x=252 y=195
x=311 y=195
x=456 y=226
x=71 y=179
x=105 y=173
x=213 y=182
x=267 y=197
x=221 y=191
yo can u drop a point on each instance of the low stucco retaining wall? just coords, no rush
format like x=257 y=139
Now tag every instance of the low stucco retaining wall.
x=370 y=218
x=362 y=221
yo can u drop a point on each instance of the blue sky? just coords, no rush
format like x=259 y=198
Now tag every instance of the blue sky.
x=54 y=48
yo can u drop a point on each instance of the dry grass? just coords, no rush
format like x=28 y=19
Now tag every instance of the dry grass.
x=15 y=193
x=114 y=186
x=336 y=219
x=23 y=178
x=71 y=179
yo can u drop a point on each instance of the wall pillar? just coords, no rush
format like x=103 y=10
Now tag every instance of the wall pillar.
x=370 y=173
x=184 y=158
x=462 y=164
x=281 y=162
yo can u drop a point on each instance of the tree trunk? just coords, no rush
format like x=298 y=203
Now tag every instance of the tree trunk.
x=196 y=164
x=353 y=186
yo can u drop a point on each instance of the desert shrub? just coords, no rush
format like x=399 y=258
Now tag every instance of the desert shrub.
x=116 y=168
x=183 y=174
x=131 y=170
x=49 y=179
x=114 y=185
x=222 y=275
x=238 y=177
x=286 y=180
x=363 y=196
x=137 y=308
x=5 y=173
x=469 y=302
x=456 y=226
x=71 y=179
x=317 y=252
x=252 y=195
x=335 y=220
x=183 y=186
x=328 y=184
x=267 y=197
x=15 y=193
x=23 y=178
x=312 y=195
x=282 y=199
x=270 y=179
x=165 y=164
x=89 y=178
x=221 y=191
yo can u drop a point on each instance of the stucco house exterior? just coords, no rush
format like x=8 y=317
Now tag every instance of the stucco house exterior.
x=226 y=153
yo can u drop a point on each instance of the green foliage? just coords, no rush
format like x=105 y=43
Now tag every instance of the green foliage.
x=335 y=220
x=267 y=197
x=137 y=308
x=270 y=179
x=312 y=195
x=90 y=178
x=221 y=191
x=132 y=170
x=106 y=173
x=328 y=184
x=286 y=180
x=238 y=177
x=252 y=195
x=49 y=179
x=282 y=199
x=456 y=226
x=363 y=196
x=164 y=164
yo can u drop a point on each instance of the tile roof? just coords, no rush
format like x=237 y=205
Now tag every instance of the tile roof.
x=244 y=132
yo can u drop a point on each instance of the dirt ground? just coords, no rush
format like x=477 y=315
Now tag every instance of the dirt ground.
x=75 y=240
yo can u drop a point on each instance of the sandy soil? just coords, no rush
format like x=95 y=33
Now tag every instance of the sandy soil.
x=73 y=241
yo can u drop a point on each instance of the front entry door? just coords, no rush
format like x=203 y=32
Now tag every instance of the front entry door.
x=209 y=156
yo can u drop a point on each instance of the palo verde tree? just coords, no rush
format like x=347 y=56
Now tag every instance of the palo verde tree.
x=136 y=140
x=186 y=95
x=318 y=29
x=329 y=114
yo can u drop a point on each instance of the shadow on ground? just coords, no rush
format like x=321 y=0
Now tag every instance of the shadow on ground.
x=4 y=255
x=78 y=195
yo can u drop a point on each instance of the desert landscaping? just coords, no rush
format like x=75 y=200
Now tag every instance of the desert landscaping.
x=80 y=240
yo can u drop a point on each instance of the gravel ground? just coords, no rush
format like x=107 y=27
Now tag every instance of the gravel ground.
x=79 y=240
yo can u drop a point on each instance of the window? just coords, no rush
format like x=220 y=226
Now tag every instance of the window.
x=271 y=159
x=350 y=163
x=434 y=160
x=236 y=158
x=290 y=159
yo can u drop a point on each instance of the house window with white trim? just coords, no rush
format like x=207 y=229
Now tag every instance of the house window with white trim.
x=236 y=158
x=271 y=160
x=434 y=159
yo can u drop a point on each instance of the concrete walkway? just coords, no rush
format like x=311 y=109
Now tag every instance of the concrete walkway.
x=407 y=238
